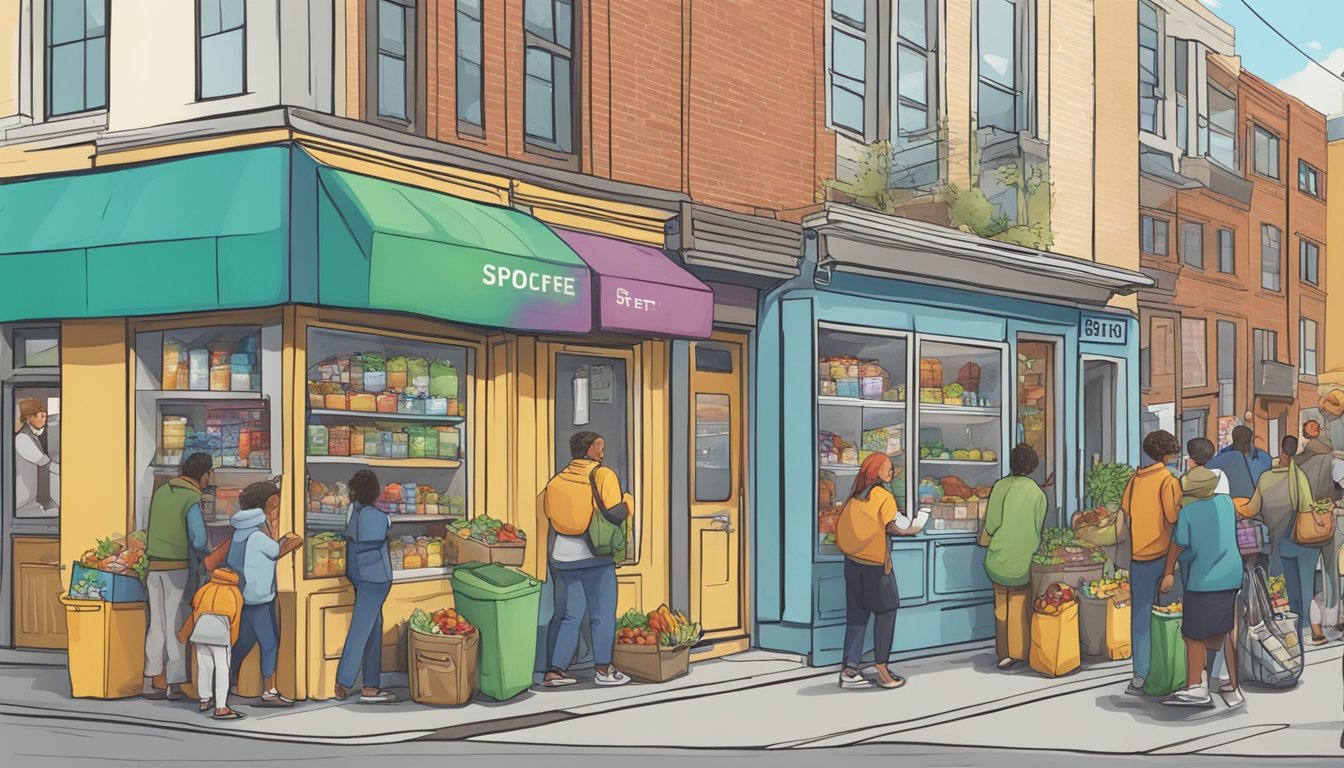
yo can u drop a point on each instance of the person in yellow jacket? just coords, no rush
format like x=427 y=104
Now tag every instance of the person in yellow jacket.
x=212 y=627
x=583 y=580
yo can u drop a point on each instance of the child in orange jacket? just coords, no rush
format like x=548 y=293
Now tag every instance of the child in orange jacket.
x=212 y=627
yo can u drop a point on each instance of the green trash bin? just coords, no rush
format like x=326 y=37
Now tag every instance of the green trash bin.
x=503 y=604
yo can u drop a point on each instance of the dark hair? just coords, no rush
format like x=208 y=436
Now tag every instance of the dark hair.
x=1241 y=438
x=197 y=466
x=256 y=495
x=581 y=442
x=1200 y=449
x=1159 y=444
x=1023 y=460
x=1289 y=445
x=364 y=487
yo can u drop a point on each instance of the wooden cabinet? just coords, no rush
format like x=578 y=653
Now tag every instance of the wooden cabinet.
x=39 y=617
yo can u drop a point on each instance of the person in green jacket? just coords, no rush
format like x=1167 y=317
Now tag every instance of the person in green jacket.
x=1013 y=523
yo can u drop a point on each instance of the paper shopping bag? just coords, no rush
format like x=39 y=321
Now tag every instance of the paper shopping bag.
x=1119 y=644
x=1055 y=648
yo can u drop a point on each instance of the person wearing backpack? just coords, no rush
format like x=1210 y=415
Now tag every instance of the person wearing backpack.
x=212 y=628
x=1242 y=463
x=584 y=513
x=253 y=551
x=1325 y=473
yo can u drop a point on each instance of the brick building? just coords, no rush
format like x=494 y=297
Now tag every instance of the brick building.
x=1234 y=233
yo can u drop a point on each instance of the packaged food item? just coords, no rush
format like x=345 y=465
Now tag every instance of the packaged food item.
x=364 y=403
x=356 y=441
x=448 y=442
x=372 y=439
x=396 y=373
x=417 y=374
x=173 y=356
x=337 y=402
x=317 y=440
x=401 y=446
x=338 y=441
x=436 y=406
x=375 y=373
x=198 y=370
x=442 y=379
x=454 y=407
x=411 y=405
x=357 y=372
x=416 y=443
x=387 y=403
x=220 y=378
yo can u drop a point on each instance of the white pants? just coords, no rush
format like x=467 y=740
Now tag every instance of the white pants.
x=167 y=610
x=212 y=673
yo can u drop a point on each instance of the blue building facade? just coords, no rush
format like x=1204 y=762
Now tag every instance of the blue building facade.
x=881 y=345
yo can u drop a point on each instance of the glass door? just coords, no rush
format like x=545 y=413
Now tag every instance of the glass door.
x=1037 y=412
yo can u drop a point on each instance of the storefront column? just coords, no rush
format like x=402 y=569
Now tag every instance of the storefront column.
x=94 y=422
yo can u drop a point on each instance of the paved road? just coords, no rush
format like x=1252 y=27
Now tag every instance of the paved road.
x=42 y=741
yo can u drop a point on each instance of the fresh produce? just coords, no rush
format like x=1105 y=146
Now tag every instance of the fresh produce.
x=117 y=555
x=1056 y=597
x=954 y=391
x=1106 y=483
x=636 y=636
x=487 y=529
x=442 y=622
x=87 y=588
x=1100 y=517
x=662 y=627
x=1171 y=609
x=632 y=619
x=1061 y=546
x=374 y=363
x=1102 y=589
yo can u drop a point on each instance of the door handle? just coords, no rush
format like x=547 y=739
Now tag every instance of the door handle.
x=721 y=517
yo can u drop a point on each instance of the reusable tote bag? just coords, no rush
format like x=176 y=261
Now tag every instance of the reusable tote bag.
x=605 y=537
x=1271 y=654
x=1167 y=670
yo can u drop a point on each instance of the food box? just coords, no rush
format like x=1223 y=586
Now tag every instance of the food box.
x=443 y=667
x=89 y=584
x=930 y=373
x=375 y=381
x=220 y=377
x=317 y=440
x=436 y=406
x=338 y=441
x=411 y=405
x=449 y=442
x=828 y=389
x=969 y=377
x=387 y=402
x=872 y=387
x=931 y=395
x=457 y=551
x=364 y=403
x=337 y=402
x=847 y=388
x=652 y=663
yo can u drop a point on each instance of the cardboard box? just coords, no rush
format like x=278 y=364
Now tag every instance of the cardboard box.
x=457 y=551
x=651 y=663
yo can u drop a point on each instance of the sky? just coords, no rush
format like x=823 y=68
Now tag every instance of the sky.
x=1315 y=26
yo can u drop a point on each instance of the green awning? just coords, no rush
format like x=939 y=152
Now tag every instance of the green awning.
x=200 y=233
x=389 y=246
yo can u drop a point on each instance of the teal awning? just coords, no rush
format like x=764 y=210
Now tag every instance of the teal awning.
x=206 y=232
x=268 y=226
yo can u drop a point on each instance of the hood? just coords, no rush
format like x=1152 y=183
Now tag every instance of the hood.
x=1199 y=483
x=224 y=577
x=248 y=518
x=1317 y=445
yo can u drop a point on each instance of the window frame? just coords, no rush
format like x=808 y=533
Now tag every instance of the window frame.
x=1181 y=76
x=47 y=49
x=1023 y=71
x=1266 y=342
x=1188 y=349
x=466 y=126
x=1265 y=229
x=1309 y=270
x=1227 y=384
x=1273 y=143
x=1303 y=349
x=1158 y=98
x=929 y=50
x=1188 y=227
x=200 y=69
x=412 y=27
x=1212 y=127
x=1307 y=171
x=1153 y=221
x=1229 y=237
x=537 y=145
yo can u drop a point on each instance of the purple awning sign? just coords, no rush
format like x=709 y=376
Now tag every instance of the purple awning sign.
x=640 y=290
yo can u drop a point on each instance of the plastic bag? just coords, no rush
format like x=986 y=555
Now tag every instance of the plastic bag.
x=1167 y=670
x=1268 y=644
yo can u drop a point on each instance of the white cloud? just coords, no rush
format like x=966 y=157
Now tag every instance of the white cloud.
x=1319 y=88
x=1315 y=45
x=1213 y=3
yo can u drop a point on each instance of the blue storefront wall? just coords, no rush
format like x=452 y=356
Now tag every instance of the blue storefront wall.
x=946 y=598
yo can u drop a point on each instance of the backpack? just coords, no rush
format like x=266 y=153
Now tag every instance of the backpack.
x=605 y=537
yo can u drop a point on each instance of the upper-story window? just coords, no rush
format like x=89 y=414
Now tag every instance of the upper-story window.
x=1154 y=237
x=1265 y=147
x=1309 y=260
x=392 y=63
x=1005 y=65
x=551 y=90
x=1182 y=88
x=1192 y=244
x=1227 y=251
x=882 y=68
x=76 y=60
x=1222 y=127
x=1308 y=179
x=470 y=77
x=221 y=48
x=1150 y=69
x=1270 y=257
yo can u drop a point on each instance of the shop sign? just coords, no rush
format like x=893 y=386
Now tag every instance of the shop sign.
x=640 y=306
x=1101 y=329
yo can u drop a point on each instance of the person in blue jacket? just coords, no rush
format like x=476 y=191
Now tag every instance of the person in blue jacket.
x=1242 y=463
x=369 y=568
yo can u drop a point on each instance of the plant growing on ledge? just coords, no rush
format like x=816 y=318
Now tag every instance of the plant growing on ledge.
x=871 y=186
x=971 y=211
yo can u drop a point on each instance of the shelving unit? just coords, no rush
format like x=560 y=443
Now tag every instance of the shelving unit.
x=418 y=418
x=189 y=395
x=854 y=402
x=373 y=461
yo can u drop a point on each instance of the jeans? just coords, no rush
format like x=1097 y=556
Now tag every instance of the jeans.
x=579 y=590
x=869 y=591
x=212 y=673
x=1144 y=579
x=169 y=605
x=364 y=641
x=1299 y=571
x=260 y=626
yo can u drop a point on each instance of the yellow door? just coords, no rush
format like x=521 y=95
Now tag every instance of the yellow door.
x=39 y=617
x=718 y=437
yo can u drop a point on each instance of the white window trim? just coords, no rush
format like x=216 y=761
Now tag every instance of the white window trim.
x=874 y=88
x=888 y=123
x=1025 y=48
x=1302 y=347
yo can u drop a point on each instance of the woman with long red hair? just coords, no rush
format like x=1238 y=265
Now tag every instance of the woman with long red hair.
x=866 y=520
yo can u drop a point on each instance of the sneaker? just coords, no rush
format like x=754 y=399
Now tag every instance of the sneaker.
x=381 y=697
x=155 y=694
x=850 y=678
x=1194 y=696
x=1007 y=663
x=273 y=700
x=1135 y=686
x=1233 y=698
x=612 y=677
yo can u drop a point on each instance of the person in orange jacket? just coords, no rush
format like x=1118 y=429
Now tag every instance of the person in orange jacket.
x=212 y=627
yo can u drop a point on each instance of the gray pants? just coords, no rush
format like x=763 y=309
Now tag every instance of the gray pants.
x=168 y=608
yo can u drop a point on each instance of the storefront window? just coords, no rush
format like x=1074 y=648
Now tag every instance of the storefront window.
x=37 y=347
x=206 y=390
x=398 y=407
x=713 y=448
x=592 y=395
x=861 y=410
x=36 y=469
x=961 y=437
x=1036 y=414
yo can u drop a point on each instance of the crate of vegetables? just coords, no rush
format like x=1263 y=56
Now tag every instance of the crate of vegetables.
x=443 y=651
x=484 y=539
x=114 y=571
x=654 y=647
